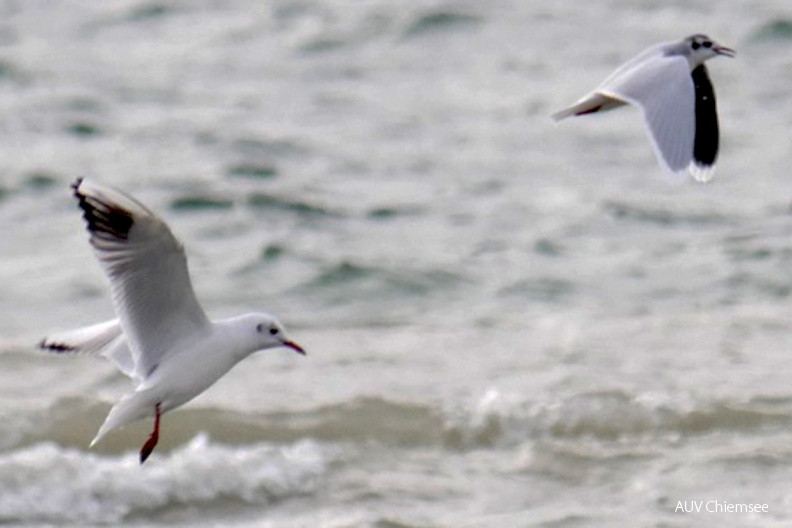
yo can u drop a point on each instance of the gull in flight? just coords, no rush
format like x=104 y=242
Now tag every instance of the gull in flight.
x=162 y=338
x=669 y=82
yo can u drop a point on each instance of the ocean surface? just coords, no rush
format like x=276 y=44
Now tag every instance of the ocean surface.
x=509 y=323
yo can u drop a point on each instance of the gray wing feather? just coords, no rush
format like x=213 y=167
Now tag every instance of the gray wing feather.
x=663 y=89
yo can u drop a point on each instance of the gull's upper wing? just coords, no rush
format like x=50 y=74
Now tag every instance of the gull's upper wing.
x=625 y=70
x=599 y=100
x=147 y=267
x=661 y=85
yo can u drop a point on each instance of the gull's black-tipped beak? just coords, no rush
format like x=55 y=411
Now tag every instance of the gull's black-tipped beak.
x=723 y=50
x=294 y=346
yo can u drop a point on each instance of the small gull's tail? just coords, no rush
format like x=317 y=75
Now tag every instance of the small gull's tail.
x=132 y=407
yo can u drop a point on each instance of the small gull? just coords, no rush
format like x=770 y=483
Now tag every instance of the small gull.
x=162 y=338
x=669 y=82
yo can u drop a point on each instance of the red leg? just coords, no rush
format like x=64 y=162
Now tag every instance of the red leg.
x=148 y=447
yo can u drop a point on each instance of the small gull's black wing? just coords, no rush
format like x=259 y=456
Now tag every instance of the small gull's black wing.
x=705 y=148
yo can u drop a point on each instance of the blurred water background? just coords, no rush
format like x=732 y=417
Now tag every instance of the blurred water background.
x=509 y=323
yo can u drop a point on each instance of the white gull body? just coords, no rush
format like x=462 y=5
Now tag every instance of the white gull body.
x=162 y=338
x=670 y=83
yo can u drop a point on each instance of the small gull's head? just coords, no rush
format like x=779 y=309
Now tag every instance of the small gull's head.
x=270 y=333
x=700 y=48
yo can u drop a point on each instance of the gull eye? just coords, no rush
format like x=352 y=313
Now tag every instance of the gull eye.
x=707 y=44
x=273 y=331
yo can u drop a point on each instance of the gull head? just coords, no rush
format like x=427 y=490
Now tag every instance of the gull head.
x=268 y=332
x=700 y=48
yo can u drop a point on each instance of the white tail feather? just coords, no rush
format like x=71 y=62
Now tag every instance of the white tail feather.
x=132 y=407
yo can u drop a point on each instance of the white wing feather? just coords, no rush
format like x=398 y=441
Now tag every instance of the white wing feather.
x=147 y=267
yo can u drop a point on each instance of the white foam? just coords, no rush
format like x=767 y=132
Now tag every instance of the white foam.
x=46 y=482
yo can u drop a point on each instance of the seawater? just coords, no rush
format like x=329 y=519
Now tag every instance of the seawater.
x=509 y=323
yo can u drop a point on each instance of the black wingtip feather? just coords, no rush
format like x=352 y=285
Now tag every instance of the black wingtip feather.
x=705 y=148
x=55 y=347
x=76 y=184
x=104 y=220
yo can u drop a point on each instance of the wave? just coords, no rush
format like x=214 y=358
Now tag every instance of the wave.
x=251 y=170
x=652 y=214
x=439 y=21
x=377 y=295
x=370 y=278
x=72 y=423
x=269 y=202
x=46 y=483
x=779 y=29
x=495 y=419
x=255 y=201
x=242 y=461
x=605 y=416
x=197 y=202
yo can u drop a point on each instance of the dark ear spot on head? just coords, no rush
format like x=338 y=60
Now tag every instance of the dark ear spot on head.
x=259 y=328
x=695 y=45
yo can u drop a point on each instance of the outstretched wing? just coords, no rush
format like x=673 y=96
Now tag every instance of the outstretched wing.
x=147 y=268
x=599 y=100
x=662 y=87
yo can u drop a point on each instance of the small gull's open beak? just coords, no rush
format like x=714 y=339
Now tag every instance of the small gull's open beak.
x=723 y=50
x=294 y=346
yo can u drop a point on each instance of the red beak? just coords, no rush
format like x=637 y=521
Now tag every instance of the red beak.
x=294 y=346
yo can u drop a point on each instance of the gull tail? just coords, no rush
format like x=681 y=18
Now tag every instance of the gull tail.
x=130 y=408
x=595 y=102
